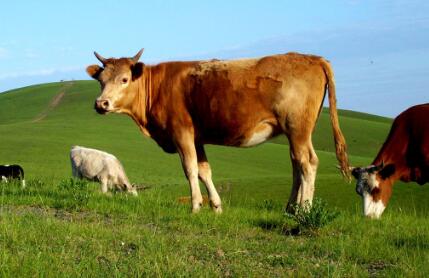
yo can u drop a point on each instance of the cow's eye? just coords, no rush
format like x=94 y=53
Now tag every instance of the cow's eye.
x=124 y=80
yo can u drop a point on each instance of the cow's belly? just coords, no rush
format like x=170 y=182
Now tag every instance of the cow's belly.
x=242 y=136
x=260 y=134
x=91 y=169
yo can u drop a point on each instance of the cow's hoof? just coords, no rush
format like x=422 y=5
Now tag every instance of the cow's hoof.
x=196 y=210
x=217 y=209
x=290 y=208
x=197 y=207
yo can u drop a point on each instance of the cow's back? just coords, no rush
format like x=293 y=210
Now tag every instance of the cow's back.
x=229 y=97
x=417 y=118
x=411 y=129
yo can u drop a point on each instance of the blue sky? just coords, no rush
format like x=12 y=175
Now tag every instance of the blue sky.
x=379 y=49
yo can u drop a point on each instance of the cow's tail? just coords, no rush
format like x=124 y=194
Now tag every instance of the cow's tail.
x=340 y=142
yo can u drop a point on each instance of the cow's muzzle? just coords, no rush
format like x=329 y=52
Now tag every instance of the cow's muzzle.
x=101 y=106
x=359 y=189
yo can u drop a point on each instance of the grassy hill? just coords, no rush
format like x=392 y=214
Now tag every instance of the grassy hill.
x=39 y=124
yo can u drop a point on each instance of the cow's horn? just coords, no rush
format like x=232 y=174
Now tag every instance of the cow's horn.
x=136 y=58
x=100 y=58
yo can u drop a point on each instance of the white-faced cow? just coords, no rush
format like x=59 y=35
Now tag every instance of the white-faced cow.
x=100 y=166
x=241 y=103
x=12 y=172
x=404 y=156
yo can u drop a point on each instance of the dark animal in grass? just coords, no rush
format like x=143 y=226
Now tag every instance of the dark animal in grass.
x=12 y=172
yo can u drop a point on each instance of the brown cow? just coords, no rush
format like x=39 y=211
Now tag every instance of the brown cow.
x=404 y=156
x=242 y=103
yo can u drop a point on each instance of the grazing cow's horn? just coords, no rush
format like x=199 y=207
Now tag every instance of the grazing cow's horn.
x=136 y=58
x=100 y=58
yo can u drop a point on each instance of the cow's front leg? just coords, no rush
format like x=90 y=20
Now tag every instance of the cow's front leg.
x=188 y=155
x=104 y=188
x=205 y=175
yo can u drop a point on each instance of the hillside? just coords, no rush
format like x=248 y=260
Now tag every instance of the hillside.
x=75 y=100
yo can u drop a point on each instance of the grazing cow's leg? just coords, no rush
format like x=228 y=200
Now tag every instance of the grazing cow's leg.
x=104 y=187
x=205 y=175
x=188 y=156
x=304 y=162
x=76 y=173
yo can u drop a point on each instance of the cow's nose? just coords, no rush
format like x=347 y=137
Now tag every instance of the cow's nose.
x=359 y=190
x=102 y=105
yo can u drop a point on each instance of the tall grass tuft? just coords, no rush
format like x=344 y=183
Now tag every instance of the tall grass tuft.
x=312 y=217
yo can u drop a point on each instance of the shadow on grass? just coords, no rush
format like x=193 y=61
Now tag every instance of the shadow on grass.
x=280 y=227
x=416 y=242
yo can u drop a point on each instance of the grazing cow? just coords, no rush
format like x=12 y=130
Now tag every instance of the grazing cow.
x=242 y=103
x=404 y=156
x=8 y=172
x=100 y=166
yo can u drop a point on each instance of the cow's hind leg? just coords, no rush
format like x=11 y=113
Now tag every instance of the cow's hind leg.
x=304 y=163
x=205 y=175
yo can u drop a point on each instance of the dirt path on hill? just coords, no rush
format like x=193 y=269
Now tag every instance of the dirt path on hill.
x=55 y=101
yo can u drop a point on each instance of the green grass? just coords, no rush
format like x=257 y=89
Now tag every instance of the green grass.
x=56 y=227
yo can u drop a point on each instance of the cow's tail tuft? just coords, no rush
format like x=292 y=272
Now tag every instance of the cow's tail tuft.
x=340 y=142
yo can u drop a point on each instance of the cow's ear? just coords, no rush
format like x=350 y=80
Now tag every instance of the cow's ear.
x=387 y=171
x=137 y=70
x=94 y=71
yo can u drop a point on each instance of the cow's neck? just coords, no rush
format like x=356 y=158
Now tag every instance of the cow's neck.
x=143 y=95
x=391 y=157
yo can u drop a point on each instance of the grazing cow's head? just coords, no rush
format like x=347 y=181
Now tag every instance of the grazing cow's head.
x=116 y=78
x=374 y=187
